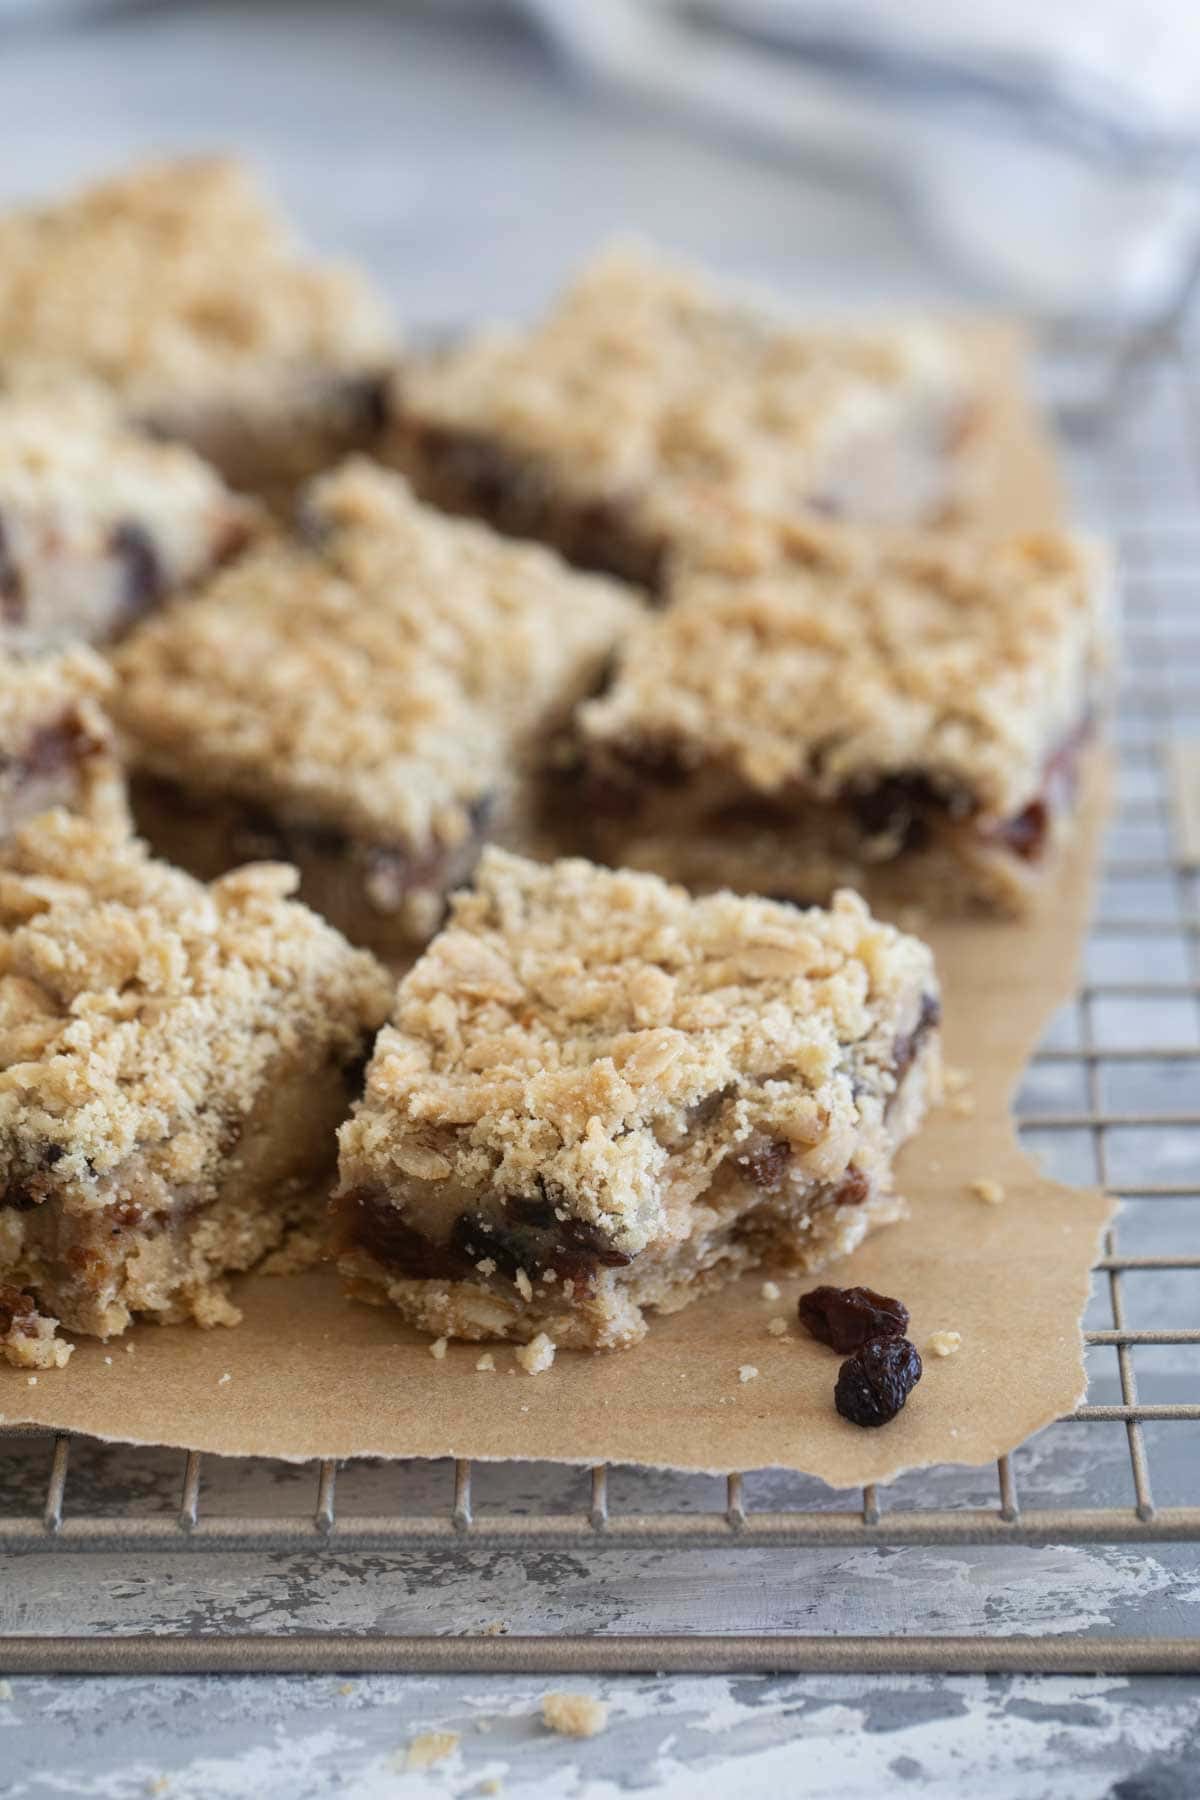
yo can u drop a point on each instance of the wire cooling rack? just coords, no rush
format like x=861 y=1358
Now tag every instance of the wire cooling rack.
x=1112 y=1096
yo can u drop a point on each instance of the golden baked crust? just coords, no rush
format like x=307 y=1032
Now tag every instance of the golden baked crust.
x=646 y=386
x=140 y=1010
x=381 y=677
x=178 y=281
x=591 y=1075
x=98 y=521
x=815 y=658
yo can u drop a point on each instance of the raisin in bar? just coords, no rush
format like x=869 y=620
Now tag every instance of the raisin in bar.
x=179 y=287
x=598 y=1096
x=98 y=522
x=361 y=701
x=56 y=742
x=824 y=706
x=646 y=399
x=174 y=1062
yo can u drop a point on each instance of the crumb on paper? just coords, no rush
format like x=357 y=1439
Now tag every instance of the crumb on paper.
x=497 y=1628
x=955 y=1080
x=945 y=1343
x=988 y=1190
x=961 y=1105
x=492 y=1785
x=438 y=1349
x=574 y=1715
x=777 y=1326
x=486 y=1363
x=222 y=1379
x=158 y=1784
x=346 y=1687
x=429 y=1748
x=130 y=1350
x=32 y=1380
x=747 y=1372
x=771 y=1290
x=108 y=1362
x=537 y=1355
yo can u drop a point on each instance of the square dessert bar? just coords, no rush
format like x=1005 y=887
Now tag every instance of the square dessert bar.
x=647 y=399
x=174 y=1060
x=360 y=701
x=822 y=706
x=98 y=522
x=178 y=286
x=56 y=742
x=598 y=1096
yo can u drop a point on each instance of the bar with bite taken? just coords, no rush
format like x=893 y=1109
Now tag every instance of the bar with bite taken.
x=599 y=1098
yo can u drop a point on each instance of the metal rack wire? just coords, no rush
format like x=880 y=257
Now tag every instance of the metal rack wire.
x=1133 y=1036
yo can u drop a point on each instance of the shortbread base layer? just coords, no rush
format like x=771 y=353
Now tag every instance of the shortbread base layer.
x=379 y=896
x=734 y=1226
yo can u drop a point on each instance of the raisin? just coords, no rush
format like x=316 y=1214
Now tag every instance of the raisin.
x=19 y=1198
x=145 y=582
x=848 y=1318
x=1025 y=834
x=874 y=1383
x=853 y=1190
x=905 y=1047
x=14 y=1306
x=765 y=1163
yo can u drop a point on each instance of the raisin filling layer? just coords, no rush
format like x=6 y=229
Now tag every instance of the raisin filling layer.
x=901 y=814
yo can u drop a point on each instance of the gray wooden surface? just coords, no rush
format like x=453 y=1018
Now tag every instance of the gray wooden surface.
x=461 y=165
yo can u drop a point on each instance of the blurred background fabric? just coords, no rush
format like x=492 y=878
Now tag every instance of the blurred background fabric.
x=1041 y=155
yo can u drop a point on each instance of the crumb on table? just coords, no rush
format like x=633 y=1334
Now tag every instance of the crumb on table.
x=945 y=1343
x=429 y=1748
x=574 y=1715
x=777 y=1327
x=747 y=1372
x=438 y=1349
x=770 y=1290
x=486 y=1363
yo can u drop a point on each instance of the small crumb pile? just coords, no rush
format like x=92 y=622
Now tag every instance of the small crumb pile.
x=991 y=1192
x=537 y=1354
x=430 y=1748
x=574 y=1715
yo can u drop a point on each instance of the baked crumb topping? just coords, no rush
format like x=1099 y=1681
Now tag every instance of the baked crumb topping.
x=561 y=1028
x=643 y=380
x=381 y=676
x=140 y=1009
x=39 y=691
x=828 y=657
x=178 y=279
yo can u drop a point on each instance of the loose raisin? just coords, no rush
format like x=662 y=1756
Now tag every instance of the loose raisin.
x=874 y=1383
x=847 y=1318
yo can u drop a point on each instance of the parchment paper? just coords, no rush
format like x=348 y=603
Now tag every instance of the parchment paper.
x=309 y=1375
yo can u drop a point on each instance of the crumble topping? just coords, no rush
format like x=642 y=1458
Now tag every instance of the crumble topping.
x=521 y=1053
x=381 y=677
x=178 y=279
x=37 y=692
x=822 y=655
x=646 y=383
x=139 y=1009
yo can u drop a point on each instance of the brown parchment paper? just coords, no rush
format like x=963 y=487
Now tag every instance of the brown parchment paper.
x=309 y=1375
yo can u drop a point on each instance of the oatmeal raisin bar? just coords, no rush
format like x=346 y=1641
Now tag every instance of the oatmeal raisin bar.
x=646 y=399
x=98 y=522
x=360 y=701
x=178 y=286
x=56 y=743
x=174 y=1061
x=824 y=706
x=598 y=1096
